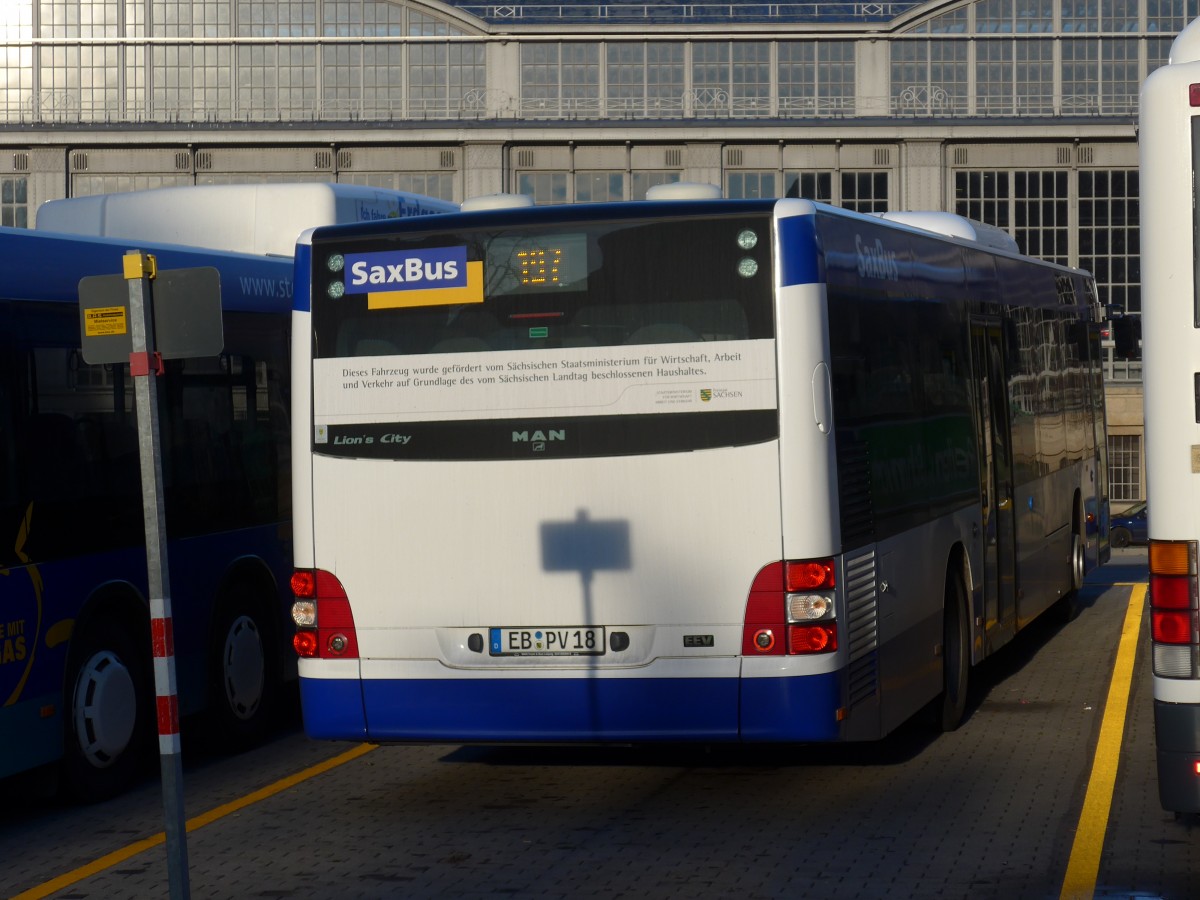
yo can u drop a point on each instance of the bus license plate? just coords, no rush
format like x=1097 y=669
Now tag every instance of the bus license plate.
x=577 y=641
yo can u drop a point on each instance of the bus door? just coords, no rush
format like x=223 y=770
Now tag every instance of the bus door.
x=996 y=480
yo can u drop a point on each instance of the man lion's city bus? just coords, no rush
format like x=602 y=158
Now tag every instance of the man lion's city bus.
x=683 y=469
x=1169 y=156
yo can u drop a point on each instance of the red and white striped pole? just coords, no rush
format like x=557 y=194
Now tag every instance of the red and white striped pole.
x=145 y=362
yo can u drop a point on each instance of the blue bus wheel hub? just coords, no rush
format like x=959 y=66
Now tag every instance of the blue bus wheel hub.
x=104 y=709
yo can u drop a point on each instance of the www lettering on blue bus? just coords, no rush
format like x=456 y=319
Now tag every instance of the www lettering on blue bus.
x=426 y=277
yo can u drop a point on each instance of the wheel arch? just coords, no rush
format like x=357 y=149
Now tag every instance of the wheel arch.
x=120 y=602
x=958 y=564
x=254 y=573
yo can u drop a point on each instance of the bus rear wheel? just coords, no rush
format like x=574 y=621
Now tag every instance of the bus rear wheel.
x=949 y=709
x=108 y=718
x=1067 y=607
x=243 y=671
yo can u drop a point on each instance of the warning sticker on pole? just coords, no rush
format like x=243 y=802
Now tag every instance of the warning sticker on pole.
x=104 y=320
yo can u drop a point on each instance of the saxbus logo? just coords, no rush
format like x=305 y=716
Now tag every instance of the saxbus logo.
x=875 y=260
x=409 y=278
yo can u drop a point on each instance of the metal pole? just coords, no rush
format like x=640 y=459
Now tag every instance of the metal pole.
x=144 y=363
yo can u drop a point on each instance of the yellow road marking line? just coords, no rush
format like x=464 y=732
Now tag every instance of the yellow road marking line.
x=1084 y=864
x=119 y=856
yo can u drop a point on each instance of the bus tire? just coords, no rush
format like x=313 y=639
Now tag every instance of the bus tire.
x=1067 y=607
x=242 y=671
x=951 y=706
x=107 y=703
x=1078 y=562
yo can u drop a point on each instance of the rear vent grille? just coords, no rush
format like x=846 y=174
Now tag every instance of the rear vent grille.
x=79 y=162
x=203 y=160
x=345 y=160
x=960 y=156
x=854 y=478
x=525 y=159
x=20 y=162
x=862 y=622
x=673 y=158
x=1063 y=155
x=447 y=159
x=323 y=159
x=883 y=156
x=183 y=161
x=734 y=157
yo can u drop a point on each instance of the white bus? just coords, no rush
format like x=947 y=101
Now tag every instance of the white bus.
x=1169 y=155
x=708 y=470
x=264 y=219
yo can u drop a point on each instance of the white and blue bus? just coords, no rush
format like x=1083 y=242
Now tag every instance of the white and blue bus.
x=696 y=469
x=1169 y=155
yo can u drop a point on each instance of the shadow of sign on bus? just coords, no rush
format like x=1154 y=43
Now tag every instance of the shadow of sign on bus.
x=588 y=546
x=585 y=546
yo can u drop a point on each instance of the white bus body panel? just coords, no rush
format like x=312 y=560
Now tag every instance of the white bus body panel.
x=263 y=219
x=720 y=506
x=1168 y=328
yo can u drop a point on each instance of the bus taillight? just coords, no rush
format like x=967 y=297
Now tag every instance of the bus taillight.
x=1175 y=609
x=791 y=609
x=324 y=620
x=812 y=638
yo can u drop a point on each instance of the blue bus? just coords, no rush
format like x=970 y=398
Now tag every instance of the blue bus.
x=76 y=685
x=682 y=469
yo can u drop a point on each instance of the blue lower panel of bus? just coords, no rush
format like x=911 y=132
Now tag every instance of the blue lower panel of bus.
x=804 y=708
x=28 y=736
x=602 y=709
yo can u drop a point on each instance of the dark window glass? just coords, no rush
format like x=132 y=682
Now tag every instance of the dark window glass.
x=71 y=477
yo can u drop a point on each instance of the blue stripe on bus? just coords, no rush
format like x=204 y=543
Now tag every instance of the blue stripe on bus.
x=31 y=738
x=332 y=709
x=791 y=709
x=302 y=296
x=799 y=261
x=48 y=266
x=554 y=709
x=575 y=709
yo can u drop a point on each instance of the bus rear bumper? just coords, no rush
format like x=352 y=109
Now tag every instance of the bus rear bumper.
x=1177 y=733
x=802 y=708
x=581 y=710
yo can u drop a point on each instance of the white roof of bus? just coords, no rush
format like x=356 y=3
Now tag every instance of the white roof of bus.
x=954 y=225
x=1186 y=46
x=262 y=219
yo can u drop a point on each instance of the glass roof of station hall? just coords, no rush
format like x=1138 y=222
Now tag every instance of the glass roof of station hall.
x=668 y=12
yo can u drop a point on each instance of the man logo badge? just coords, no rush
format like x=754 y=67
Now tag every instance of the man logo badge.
x=538 y=439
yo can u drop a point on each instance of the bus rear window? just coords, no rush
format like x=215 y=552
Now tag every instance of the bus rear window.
x=574 y=338
x=576 y=285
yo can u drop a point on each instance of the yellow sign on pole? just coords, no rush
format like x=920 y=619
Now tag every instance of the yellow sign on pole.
x=104 y=320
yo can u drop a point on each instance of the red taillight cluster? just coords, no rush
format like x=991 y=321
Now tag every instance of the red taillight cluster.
x=790 y=610
x=324 y=620
x=1175 y=609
